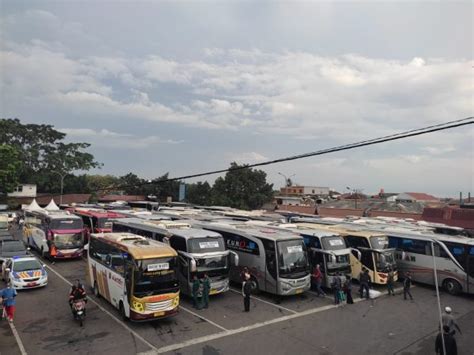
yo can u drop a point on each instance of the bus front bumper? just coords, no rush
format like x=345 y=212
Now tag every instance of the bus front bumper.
x=142 y=317
x=288 y=287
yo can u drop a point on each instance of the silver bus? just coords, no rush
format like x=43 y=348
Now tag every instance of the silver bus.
x=277 y=260
x=326 y=248
x=454 y=257
x=199 y=251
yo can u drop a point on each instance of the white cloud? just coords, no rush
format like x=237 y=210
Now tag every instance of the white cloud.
x=247 y=157
x=110 y=139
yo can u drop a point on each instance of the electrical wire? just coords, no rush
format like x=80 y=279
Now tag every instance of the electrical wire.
x=364 y=143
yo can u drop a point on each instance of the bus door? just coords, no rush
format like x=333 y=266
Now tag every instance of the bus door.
x=184 y=274
x=470 y=271
x=271 y=266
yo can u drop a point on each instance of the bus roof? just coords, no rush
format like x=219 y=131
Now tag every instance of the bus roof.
x=253 y=230
x=184 y=230
x=352 y=230
x=54 y=214
x=96 y=212
x=139 y=247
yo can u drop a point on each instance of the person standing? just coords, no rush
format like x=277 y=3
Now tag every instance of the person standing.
x=364 y=279
x=206 y=289
x=337 y=288
x=390 y=281
x=449 y=343
x=448 y=320
x=407 y=286
x=246 y=291
x=8 y=295
x=318 y=280
x=195 y=292
x=348 y=289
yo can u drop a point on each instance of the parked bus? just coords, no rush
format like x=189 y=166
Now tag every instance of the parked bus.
x=55 y=234
x=326 y=248
x=373 y=252
x=277 y=260
x=199 y=251
x=454 y=257
x=95 y=220
x=136 y=275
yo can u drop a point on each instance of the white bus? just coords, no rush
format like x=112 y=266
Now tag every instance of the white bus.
x=199 y=251
x=454 y=257
x=326 y=248
x=55 y=234
x=136 y=275
x=277 y=260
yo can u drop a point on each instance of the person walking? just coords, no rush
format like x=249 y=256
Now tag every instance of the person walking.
x=449 y=343
x=407 y=286
x=196 y=292
x=448 y=320
x=337 y=288
x=318 y=280
x=8 y=295
x=246 y=291
x=206 y=289
x=364 y=279
x=390 y=282
x=347 y=287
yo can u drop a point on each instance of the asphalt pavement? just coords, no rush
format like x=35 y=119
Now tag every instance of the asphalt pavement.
x=304 y=324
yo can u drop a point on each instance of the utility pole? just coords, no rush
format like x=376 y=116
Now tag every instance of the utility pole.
x=62 y=176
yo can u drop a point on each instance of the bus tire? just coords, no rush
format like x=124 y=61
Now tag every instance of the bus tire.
x=95 y=290
x=122 y=312
x=452 y=286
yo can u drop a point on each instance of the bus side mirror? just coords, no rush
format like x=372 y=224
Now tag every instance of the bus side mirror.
x=333 y=259
x=234 y=259
x=7 y=269
x=192 y=265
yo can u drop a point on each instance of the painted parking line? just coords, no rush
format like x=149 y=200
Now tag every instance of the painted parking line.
x=17 y=338
x=138 y=336
x=262 y=300
x=203 y=318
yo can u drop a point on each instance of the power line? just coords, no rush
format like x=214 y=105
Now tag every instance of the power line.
x=383 y=139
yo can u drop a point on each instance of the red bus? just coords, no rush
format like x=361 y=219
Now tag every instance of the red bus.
x=95 y=220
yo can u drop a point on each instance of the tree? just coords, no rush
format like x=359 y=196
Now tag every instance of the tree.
x=10 y=166
x=243 y=188
x=132 y=184
x=42 y=155
x=199 y=193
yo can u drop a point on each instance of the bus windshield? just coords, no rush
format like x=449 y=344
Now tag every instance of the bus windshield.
x=292 y=258
x=384 y=260
x=206 y=245
x=155 y=276
x=214 y=266
x=379 y=242
x=66 y=224
x=68 y=241
x=104 y=223
x=333 y=243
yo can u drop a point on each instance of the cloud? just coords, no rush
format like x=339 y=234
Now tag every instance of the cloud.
x=247 y=157
x=110 y=139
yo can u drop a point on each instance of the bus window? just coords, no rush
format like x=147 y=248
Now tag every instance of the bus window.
x=178 y=243
x=415 y=246
x=356 y=242
x=240 y=243
x=270 y=256
x=458 y=251
x=367 y=259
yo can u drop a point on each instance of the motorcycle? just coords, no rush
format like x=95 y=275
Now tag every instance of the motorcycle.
x=79 y=310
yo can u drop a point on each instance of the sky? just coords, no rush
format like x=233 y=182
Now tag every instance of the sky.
x=189 y=86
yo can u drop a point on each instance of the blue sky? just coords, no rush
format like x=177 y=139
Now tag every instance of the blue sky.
x=184 y=87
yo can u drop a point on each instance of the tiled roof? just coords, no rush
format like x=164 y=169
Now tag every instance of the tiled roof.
x=422 y=196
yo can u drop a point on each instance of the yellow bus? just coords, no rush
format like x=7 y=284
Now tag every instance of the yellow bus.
x=135 y=274
x=373 y=252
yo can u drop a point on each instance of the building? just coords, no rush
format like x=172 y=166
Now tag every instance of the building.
x=25 y=190
x=299 y=190
x=416 y=197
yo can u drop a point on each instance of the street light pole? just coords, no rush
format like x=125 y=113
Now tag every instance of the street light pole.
x=62 y=176
x=287 y=179
x=437 y=296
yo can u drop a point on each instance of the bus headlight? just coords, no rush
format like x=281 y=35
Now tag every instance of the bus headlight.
x=138 y=306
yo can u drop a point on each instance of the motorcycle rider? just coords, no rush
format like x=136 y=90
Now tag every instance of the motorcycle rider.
x=77 y=293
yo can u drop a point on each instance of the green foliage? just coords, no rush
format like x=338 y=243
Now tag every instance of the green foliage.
x=44 y=158
x=10 y=166
x=199 y=193
x=243 y=188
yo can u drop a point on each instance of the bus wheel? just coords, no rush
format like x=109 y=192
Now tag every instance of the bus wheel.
x=95 y=289
x=452 y=286
x=122 y=312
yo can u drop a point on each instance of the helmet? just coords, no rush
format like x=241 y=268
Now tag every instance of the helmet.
x=448 y=309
